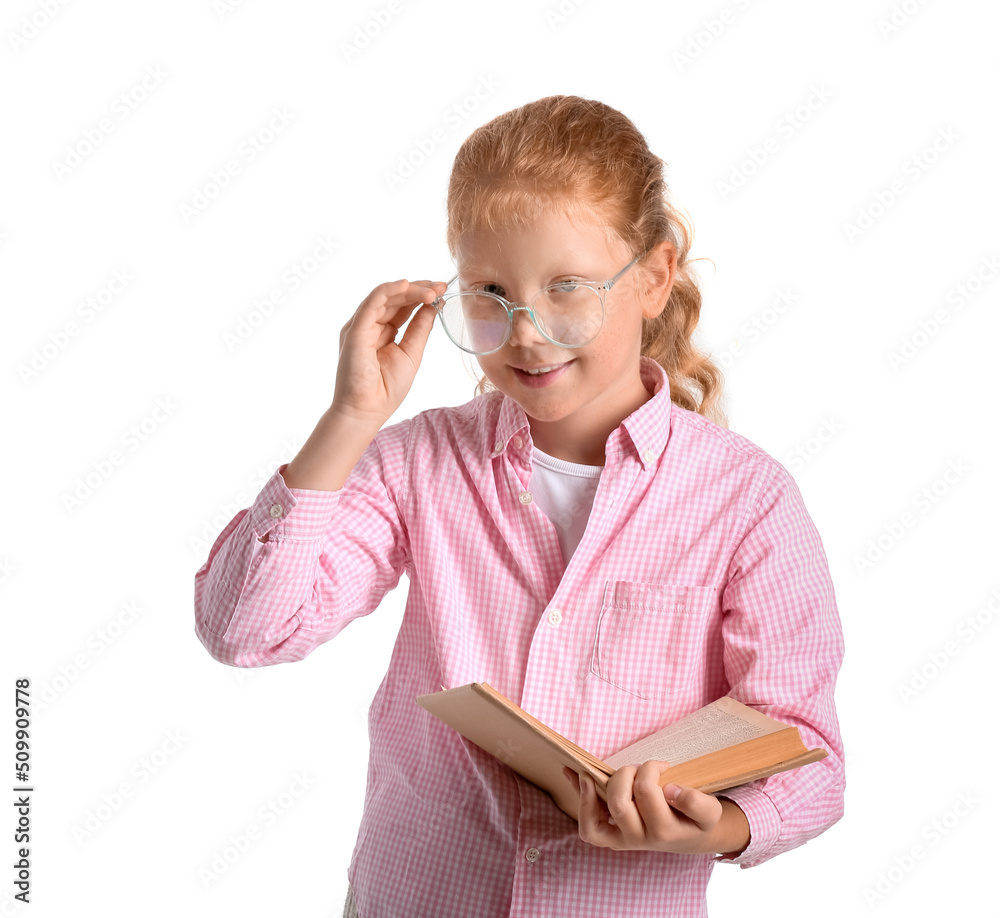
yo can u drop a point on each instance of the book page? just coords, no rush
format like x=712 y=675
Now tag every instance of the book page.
x=715 y=726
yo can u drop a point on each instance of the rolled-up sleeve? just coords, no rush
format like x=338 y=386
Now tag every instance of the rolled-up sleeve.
x=328 y=558
x=783 y=649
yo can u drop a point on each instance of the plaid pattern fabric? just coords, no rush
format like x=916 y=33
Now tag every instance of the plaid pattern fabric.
x=699 y=574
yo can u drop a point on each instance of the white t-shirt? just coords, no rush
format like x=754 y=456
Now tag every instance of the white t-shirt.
x=565 y=493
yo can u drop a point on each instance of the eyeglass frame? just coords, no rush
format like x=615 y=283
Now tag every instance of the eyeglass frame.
x=511 y=307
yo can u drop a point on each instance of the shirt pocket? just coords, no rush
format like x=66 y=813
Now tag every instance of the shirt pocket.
x=651 y=637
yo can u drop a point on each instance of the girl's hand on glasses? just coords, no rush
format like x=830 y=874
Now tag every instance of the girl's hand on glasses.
x=376 y=370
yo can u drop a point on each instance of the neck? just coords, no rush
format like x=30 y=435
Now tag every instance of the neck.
x=582 y=437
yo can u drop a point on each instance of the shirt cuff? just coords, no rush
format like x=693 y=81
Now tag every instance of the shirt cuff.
x=764 y=820
x=291 y=513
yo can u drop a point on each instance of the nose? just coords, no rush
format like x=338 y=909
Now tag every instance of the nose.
x=523 y=330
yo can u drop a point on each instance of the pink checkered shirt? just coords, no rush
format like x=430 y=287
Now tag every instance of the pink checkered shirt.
x=700 y=574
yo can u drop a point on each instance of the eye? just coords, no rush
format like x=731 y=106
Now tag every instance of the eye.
x=495 y=289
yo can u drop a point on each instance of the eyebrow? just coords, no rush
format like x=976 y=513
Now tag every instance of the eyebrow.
x=477 y=269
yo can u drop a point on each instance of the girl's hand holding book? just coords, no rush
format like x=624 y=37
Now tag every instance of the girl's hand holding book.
x=642 y=816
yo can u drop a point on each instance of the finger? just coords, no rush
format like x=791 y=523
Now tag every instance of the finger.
x=386 y=332
x=398 y=309
x=425 y=289
x=417 y=297
x=415 y=337
x=593 y=818
x=702 y=809
x=386 y=299
x=621 y=806
x=659 y=822
x=438 y=286
x=648 y=794
x=370 y=311
x=385 y=310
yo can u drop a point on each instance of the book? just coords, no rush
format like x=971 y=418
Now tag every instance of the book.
x=722 y=745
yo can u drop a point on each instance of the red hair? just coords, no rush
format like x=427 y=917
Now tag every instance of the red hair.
x=582 y=156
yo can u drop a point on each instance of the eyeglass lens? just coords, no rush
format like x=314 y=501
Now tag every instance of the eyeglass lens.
x=567 y=314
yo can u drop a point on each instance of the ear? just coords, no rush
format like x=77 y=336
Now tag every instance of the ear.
x=660 y=266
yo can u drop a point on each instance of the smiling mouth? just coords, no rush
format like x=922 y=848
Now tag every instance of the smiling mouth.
x=540 y=371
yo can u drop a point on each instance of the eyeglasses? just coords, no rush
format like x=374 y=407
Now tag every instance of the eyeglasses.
x=569 y=314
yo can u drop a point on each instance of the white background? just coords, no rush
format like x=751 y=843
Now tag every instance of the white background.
x=167 y=755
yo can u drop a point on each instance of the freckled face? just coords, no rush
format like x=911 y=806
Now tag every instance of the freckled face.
x=580 y=394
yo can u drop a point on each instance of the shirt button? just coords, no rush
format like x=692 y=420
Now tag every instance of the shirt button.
x=531 y=855
x=498 y=447
x=276 y=510
x=555 y=616
x=649 y=455
x=524 y=497
x=517 y=442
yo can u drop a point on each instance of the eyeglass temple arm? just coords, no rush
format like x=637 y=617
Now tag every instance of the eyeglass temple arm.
x=614 y=280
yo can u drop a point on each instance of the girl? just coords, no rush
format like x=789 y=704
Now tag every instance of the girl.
x=580 y=535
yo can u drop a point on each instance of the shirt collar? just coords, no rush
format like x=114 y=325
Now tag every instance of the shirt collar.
x=646 y=429
x=511 y=422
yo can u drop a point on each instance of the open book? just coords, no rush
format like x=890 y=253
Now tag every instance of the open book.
x=721 y=745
